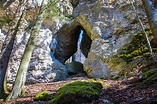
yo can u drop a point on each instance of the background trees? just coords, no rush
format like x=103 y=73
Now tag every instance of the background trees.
x=6 y=52
x=8 y=46
x=21 y=75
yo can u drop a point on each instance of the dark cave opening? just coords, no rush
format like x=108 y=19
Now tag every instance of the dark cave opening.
x=72 y=44
x=83 y=47
x=78 y=55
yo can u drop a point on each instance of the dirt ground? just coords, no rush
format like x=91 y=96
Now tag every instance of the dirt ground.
x=114 y=92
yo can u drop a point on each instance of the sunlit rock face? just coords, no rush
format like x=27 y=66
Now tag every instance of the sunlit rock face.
x=56 y=21
x=36 y=3
x=16 y=55
x=108 y=25
x=56 y=71
x=42 y=68
x=41 y=59
x=109 y=29
x=95 y=67
x=2 y=38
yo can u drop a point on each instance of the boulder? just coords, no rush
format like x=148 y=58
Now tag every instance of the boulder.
x=110 y=29
x=95 y=67
x=57 y=72
x=41 y=62
x=67 y=39
x=74 y=68
x=77 y=93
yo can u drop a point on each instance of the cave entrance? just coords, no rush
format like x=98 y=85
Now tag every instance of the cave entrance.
x=78 y=55
x=72 y=44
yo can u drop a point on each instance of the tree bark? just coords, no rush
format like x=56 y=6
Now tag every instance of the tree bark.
x=21 y=75
x=151 y=12
x=5 y=59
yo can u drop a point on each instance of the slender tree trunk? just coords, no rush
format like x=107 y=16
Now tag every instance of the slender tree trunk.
x=151 y=12
x=5 y=59
x=21 y=75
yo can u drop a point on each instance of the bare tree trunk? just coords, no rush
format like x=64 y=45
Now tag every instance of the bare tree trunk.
x=151 y=12
x=5 y=59
x=21 y=75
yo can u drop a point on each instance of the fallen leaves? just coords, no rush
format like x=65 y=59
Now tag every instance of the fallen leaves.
x=118 y=92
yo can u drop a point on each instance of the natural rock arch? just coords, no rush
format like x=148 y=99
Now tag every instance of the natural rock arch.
x=67 y=39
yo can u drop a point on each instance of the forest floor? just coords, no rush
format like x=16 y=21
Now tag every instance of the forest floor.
x=116 y=91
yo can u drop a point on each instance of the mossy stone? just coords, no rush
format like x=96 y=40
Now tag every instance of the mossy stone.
x=126 y=63
x=148 y=76
x=150 y=79
x=43 y=96
x=148 y=73
x=77 y=92
x=137 y=47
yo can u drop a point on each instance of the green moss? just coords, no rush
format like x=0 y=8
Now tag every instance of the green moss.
x=150 y=79
x=22 y=92
x=137 y=47
x=91 y=80
x=118 y=67
x=105 y=85
x=147 y=77
x=148 y=73
x=139 y=52
x=131 y=57
x=77 y=92
x=43 y=96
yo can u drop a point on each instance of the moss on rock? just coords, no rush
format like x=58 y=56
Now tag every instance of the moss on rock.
x=43 y=96
x=148 y=76
x=77 y=92
x=132 y=58
x=137 y=47
x=148 y=73
x=150 y=79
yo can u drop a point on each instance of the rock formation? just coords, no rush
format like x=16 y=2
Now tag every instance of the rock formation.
x=67 y=38
x=108 y=26
x=107 y=31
